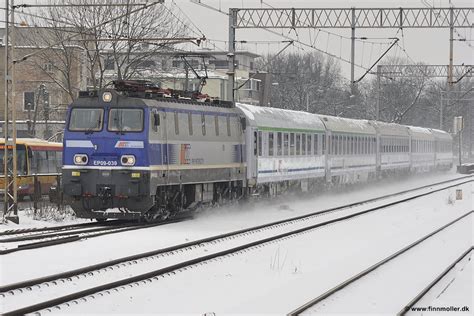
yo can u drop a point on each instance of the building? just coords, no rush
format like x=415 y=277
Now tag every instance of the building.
x=177 y=70
x=45 y=83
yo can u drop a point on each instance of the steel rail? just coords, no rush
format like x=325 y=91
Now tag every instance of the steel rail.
x=53 y=228
x=152 y=274
x=71 y=231
x=434 y=282
x=90 y=268
x=363 y=273
x=72 y=238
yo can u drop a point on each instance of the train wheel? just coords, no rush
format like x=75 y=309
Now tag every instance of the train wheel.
x=155 y=215
x=101 y=220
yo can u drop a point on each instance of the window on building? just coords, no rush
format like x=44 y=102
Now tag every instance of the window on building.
x=109 y=63
x=219 y=64
x=28 y=101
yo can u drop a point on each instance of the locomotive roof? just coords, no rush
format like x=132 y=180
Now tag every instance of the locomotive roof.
x=390 y=129
x=274 y=118
x=345 y=125
x=139 y=99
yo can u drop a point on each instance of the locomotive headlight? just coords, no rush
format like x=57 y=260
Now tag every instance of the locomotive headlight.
x=128 y=160
x=81 y=159
x=107 y=97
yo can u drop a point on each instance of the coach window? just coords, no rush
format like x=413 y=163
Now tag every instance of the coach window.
x=278 y=146
x=308 y=144
x=292 y=144
x=315 y=144
x=270 y=144
x=260 y=144
x=298 y=144
x=338 y=145
x=228 y=125
x=285 y=144
x=323 y=144
x=203 y=124
x=303 y=144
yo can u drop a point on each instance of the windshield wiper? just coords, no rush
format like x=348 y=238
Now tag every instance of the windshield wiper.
x=92 y=129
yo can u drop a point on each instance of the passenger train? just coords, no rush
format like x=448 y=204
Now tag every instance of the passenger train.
x=148 y=155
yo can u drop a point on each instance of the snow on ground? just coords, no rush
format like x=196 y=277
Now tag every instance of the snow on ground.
x=279 y=277
x=379 y=292
x=455 y=289
x=23 y=265
x=271 y=279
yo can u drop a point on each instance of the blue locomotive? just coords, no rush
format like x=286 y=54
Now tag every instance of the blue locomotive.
x=137 y=154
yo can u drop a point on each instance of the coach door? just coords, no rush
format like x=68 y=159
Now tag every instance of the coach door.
x=252 y=154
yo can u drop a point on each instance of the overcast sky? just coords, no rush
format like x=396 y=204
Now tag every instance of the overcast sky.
x=428 y=45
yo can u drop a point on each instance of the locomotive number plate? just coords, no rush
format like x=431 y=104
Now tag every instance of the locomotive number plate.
x=105 y=163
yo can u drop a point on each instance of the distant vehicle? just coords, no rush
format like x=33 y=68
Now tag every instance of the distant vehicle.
x=34 y=157
x=134 y=153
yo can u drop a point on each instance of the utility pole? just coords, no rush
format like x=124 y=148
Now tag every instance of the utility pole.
x=353 y=21
x=10 y=209
x=6 y=126
x=231 y=54
x=379 y=94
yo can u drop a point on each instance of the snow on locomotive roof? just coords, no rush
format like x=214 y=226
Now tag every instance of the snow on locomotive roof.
x=262 y=117
x=345 y=125
x=390 y=129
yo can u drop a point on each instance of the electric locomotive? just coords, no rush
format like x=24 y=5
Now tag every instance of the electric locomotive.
x=141 y=155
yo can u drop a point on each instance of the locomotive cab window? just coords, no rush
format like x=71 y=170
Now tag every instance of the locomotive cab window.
x=86 y=119
x=125 y=120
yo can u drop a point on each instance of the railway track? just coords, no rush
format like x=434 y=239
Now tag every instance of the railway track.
x=46 y=237
x=25 y=231
x=423 y=292
x=307 y=307
x=102 y=278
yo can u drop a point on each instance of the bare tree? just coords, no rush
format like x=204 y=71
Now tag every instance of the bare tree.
x=305 y=82
x=125 y=42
